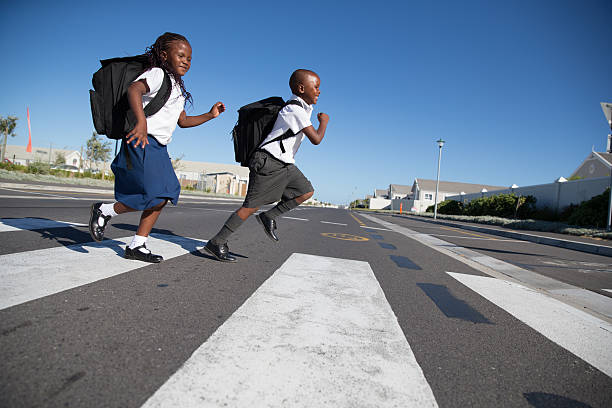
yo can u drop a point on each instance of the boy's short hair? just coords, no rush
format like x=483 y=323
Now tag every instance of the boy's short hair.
x=298 y=77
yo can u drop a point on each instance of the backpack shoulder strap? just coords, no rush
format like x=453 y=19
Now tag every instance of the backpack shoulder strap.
x=289 y=133
x=160 y=98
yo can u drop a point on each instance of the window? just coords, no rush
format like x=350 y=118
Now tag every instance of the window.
x=429 y=196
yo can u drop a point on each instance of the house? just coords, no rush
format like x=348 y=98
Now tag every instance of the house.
x=19 y=155
x=398 y=191
x=423 y=192
x=381 y=193
x=214 y=177
x=597 y=164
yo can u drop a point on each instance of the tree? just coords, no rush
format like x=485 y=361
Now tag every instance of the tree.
x=60 y=158
x=97 y=149
x=7 y=127
x=176 y=162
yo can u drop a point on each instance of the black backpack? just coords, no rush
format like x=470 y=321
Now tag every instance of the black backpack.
x=110 y=108
x=255 y=122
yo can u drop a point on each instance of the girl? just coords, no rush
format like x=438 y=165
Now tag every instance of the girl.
x=144 y=177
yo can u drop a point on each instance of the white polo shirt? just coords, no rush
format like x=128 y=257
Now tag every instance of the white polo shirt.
x=291 y=117
x=161 y=125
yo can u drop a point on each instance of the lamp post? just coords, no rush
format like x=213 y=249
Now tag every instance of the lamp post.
x=607 y=110
x=440 y=143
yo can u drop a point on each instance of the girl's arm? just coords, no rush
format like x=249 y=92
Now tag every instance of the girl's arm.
x=139 y=133
x=185 y=121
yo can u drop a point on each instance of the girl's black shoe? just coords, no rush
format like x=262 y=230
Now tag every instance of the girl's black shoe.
x=138 y=255
x=96 y=229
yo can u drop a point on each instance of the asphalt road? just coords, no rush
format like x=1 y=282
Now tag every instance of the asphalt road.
x=124 y=340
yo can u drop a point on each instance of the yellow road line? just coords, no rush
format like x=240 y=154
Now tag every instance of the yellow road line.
x=357 y=219
x=468 y=233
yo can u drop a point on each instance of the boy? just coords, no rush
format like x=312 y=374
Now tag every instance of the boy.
x=273 y=175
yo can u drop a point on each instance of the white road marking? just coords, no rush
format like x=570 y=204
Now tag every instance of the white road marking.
x=42 y=194
x=608 y=290
x=334 y=223
x=486 y=239
x=375 y=228
x=31 y=275
x=17 y=224
x=319 y=332
x=595 y=302
x=294 y=218
x=584 y=335
x=48 y=197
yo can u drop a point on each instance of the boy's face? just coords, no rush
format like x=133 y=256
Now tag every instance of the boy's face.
x=178 y=57
x=310 y=89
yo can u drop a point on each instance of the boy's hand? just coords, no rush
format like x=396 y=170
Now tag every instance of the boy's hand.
x=139 y=134
x=217 y=109
x=323 y=117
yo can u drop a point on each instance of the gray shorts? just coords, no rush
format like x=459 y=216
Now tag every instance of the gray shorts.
x=271 y=180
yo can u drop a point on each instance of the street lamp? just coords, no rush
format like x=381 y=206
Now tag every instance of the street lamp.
x=440 y=143
x=607 y=110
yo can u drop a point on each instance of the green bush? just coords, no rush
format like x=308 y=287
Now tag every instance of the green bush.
x=591 y=213
x=38 y=168
x=450 y=207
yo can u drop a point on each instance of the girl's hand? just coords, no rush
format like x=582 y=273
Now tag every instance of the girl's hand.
x=323 y=117
x=217 y=109
x=139 y=134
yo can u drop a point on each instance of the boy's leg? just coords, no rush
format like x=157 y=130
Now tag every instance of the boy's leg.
x=137 y=248
x=266 y=219
x=217 y=245
x=101 y=214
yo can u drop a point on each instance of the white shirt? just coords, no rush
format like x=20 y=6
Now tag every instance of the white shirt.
x=161 y=125
x=291 y=117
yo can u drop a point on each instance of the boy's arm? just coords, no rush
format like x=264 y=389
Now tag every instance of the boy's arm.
x=185 y=121
x=315 y=136
x=135 y=92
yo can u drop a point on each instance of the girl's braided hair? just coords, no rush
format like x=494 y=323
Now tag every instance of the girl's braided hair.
x=155 y=60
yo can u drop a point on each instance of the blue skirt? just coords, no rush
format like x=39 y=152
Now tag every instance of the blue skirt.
x=144 y=178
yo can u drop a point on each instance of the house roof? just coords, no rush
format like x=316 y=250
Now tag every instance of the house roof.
x=607 y=157
x=210 y=168
x=400 y=189
x=454 y=187
x=37 y=152
x=380 y=192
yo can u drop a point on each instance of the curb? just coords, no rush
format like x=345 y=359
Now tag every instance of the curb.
x=538 y=239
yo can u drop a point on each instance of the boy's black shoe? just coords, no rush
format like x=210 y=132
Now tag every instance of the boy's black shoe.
x=221 y=252
x=95 y=228
x=138 y=255
x=268 y=224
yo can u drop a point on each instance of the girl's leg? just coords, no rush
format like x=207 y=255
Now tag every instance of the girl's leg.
x=149 y=218
x=101 y=214
x=137 y=248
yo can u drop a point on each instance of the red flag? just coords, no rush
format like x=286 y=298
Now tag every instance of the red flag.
x=29 y=148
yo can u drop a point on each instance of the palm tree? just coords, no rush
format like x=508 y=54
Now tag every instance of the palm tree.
x=7 y=128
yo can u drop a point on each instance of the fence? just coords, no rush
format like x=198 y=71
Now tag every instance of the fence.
x=555 y=196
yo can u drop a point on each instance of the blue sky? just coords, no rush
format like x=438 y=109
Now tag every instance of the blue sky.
x=514 y=87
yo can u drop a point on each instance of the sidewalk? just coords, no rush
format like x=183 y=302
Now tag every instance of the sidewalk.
x=577 y=243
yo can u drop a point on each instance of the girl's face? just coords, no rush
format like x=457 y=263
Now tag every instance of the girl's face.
x=178 y=57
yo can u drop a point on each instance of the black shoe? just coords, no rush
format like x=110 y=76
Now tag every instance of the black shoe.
x=268 y=224
x=95 y=228
x=221 y=252
x=138 y=255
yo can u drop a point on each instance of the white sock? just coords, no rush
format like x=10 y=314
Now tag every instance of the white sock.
x=108 y=209
x=137 y=241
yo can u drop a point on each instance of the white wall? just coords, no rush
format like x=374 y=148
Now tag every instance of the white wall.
x=555 y=196
x=380 y=203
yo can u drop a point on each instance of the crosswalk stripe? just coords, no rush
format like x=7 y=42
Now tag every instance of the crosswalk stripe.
x=318 y=332
x=16 y=224
x=295 y=218
x=333 y=223
x=582 y=334
x=31 y=275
